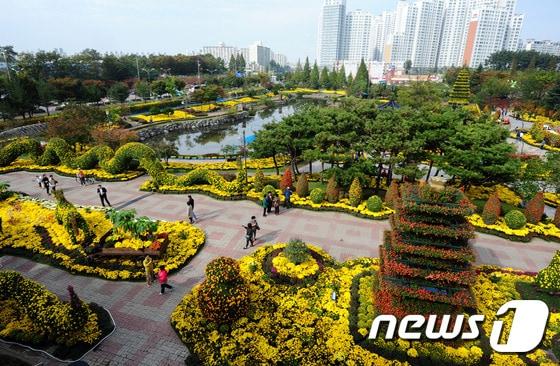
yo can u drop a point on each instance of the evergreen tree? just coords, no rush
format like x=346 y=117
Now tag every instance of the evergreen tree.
x=314 y=77
x=461 y=89
x=298 y=73
x=232 y=64
x=359 y=86
x=325 y=80
x=306 y=72
x=333 y=79
x=552 y=98
x=349 y=80
x=240 y=63
x=342 y=80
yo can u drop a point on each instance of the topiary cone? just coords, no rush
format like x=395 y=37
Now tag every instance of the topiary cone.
x=259 y=180
x=535 y=209
x=332 y=191
x=557 y=217
x=492 y=209
x=355 y=194
x=392 y=194
x=302 y=186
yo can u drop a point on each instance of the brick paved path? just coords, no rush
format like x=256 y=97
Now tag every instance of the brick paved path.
x=144 y=336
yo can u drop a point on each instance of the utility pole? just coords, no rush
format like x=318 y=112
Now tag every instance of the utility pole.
x=137 y=69
x=7 y=66
x=198 y=65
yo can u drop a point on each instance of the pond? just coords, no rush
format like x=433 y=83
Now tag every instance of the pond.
x=212 y=141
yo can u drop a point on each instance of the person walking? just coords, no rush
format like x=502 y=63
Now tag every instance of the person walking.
x=162 y=278
x=190 y=213
x=45 y=181
x=264 y=204
x=52 y=183
x=149 y=267
x=287 y=196
x=255 y=227
x=190 y=202
x=248 y=235
x=269 y=202
x=39 y=181
x=82 y=177
x=276 y=204
x=102 y=192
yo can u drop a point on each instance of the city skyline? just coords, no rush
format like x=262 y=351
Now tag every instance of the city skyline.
x=187 y=26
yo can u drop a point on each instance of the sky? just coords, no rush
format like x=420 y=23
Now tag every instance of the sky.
x=184 y=26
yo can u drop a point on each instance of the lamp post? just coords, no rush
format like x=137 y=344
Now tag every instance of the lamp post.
x=245 y=153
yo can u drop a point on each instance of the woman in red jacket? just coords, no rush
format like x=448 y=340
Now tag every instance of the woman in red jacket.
x=162 y=277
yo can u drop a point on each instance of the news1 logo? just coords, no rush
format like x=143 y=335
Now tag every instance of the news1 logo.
x=527 y=327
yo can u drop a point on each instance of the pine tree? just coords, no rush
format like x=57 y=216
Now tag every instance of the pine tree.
x=342 y=81
x=325 y=79
x=314 y=77
x=306 y=72
x=333 y=79
x=232 y=67
x=359 y=85
x=240 y=63
x=259 y=180
x=461 y=90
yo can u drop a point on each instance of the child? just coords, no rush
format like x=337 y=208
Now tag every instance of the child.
x=276 y=204
x=149 y=267
x=162 y=277
x=255 y=226
x=248 y=235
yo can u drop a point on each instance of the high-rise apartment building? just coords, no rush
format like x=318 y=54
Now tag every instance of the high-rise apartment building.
x=356 y=40
x=221 y=51
x=331 y=29
x=549 y=47
x=512 y=34
x=454 y=32
x=259 y=56
x=427 y=33
x=280 y=59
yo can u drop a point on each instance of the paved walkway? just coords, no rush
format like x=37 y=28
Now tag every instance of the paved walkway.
x=144 y=336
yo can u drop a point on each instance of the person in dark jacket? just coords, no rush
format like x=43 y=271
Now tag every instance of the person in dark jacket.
x=248 y=235
x=102 y=192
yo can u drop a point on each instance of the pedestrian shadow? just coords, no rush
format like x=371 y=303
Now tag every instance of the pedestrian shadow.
x=128 y=203
x=268 y=237
x=208 y=215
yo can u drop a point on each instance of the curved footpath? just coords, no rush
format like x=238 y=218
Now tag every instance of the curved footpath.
x=144 y=335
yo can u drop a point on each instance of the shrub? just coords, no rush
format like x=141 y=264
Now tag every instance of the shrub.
x=259 y=180
x=374 y=204
x=286 y=179
x=15 y=149
x=515 y=219
x=535 y=209
x=317 y=195
x=332 y=190
x=302 y=186
x=268 y=188
x=223 y=297
x=537 y=132
x=556 y=220
x=492 y=209
x=549 y=277
x=128 y=157
x=392 y=194
x=355 y=193
x=296 y=251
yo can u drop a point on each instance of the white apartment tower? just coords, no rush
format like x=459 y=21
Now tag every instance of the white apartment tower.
x=331 y=28
x=427 y=33
x=402 y=38
x=454 y=32
x=357 y=36
x=259 y=56
x=221 y=51
x=513 y=31
x=549 y=47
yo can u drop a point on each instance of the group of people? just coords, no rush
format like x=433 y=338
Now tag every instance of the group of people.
x=271 y=201
x=161 y=275
x=251 y=232
x=47 y=183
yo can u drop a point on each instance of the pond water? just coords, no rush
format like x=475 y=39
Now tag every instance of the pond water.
x=212 y=141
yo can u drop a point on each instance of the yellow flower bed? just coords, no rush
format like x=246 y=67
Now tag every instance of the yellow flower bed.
x=205 y=108
x=342 y=205
x=176 y=115
x=504 y=193
x=540 y=229
x=552 y=199
x=528 y=138
x=539 y=119
x=305 y=326
x=234 y=102
x=20 y=217
x=312 y=91
x=265 y=163
x=285 y=267
x=28 y=165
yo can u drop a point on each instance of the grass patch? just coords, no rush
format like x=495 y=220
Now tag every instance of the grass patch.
x=529 y=291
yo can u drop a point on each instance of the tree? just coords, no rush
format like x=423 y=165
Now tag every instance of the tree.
x=287 y=180
x=165 y=149
x=407 y=66
x=552 y=98
x=314 y=81
x=240 y=62
x=118 y=92
x=535 y=209
x=355 y=193
x=302 y=186
x=142 y=89
x=421 y=95
x=306 y=72
x=75 y=123
x=342 y=81
x=492 y=209
x=479 y=154
x=494 y=91
x=232 y=65
x=360 y=84
x=325 y=80
x=158 y=86
x=460 y=93
x=332 y=191
x=45 y=93
x=529 y=181
x=113 y=136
